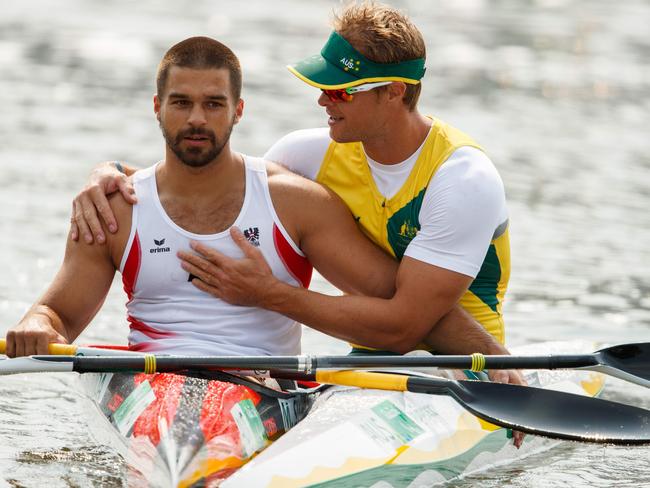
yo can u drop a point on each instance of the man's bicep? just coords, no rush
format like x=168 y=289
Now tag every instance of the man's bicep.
x=338 y=249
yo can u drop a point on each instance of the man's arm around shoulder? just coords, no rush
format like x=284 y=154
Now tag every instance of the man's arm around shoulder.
x=325 y=230
x=90 y=208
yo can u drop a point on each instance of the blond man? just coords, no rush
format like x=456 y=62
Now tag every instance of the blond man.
x=419 y=188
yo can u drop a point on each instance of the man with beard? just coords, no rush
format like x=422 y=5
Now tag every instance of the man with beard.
x=192 y=197
x=419 y=188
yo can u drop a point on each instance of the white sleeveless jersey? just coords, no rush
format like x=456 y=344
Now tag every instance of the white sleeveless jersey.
x=168 y=314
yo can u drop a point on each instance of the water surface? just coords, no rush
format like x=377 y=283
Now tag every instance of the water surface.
x=557 y=91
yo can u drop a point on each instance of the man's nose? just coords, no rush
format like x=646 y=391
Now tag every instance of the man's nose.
x=324 y=100
x=197 y=116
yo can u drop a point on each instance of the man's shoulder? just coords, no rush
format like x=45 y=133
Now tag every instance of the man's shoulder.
x=123 y=212
x=475 y=181
x=119 y=204
x=301 y=151
x=468 y=162
x=297 y=194
x=299 y=202
x=301 y=137
x=282 y=179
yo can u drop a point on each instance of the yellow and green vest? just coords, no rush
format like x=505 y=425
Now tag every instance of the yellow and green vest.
x=392 y=223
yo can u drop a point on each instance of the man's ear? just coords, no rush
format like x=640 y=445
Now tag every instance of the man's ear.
x=156 y=106
x=396 y=90
x=239 y=110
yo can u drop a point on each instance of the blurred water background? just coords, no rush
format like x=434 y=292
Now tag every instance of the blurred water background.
x=557 y=91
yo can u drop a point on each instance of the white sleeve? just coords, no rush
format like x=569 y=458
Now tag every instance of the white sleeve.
x=301 y=151
x=462 y=207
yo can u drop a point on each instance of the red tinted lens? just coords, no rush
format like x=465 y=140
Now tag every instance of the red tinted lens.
x=338 y=95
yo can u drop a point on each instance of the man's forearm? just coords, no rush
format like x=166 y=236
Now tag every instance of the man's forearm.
x=459 y=333
x=372 y=322
x=376 y=322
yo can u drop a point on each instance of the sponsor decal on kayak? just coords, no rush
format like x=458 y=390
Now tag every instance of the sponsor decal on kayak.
x=131 y=408
x=388 y=426
x=400 y=423
x=251 y=430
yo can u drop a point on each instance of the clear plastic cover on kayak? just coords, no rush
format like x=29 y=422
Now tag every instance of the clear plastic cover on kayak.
x=176 y=430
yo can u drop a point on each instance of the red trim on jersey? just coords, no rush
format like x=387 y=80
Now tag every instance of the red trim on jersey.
x=148 y=330
x=132 y=267
x=108 y=346
x=298 y=266
x=143 y=347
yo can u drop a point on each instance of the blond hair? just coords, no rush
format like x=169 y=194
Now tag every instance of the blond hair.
x=383 y=35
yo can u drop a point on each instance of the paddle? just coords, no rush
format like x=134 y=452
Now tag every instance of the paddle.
x=532 y=410
x=75 y=350
x=630 y=362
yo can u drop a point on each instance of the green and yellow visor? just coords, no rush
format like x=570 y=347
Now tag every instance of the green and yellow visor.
x=339 y=65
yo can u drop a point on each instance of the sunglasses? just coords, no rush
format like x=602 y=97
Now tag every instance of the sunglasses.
x=346 y=94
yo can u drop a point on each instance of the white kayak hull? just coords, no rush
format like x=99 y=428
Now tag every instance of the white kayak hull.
x=350 y=437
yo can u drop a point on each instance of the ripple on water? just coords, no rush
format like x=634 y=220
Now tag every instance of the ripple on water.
x=85 y=465
x=570 y=465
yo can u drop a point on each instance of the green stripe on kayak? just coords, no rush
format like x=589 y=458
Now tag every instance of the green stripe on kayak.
x=402 y=475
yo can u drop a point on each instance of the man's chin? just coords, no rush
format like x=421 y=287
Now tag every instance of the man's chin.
x=197 y=159
x=341 y=137
x=196 y=163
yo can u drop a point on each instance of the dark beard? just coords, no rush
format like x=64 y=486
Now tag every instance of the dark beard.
x=195 y=157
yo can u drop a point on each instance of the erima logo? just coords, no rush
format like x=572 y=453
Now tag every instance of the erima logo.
x=253 y=236
x=159 y=243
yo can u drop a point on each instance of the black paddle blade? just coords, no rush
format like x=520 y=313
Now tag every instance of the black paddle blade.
x=547 y=413
x=633 y=359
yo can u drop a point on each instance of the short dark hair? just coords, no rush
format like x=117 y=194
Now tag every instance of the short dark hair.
x=200 y=53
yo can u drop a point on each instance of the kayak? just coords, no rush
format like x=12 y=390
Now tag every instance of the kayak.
x=369 y=438
x=221 y=430
x=185 y=431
